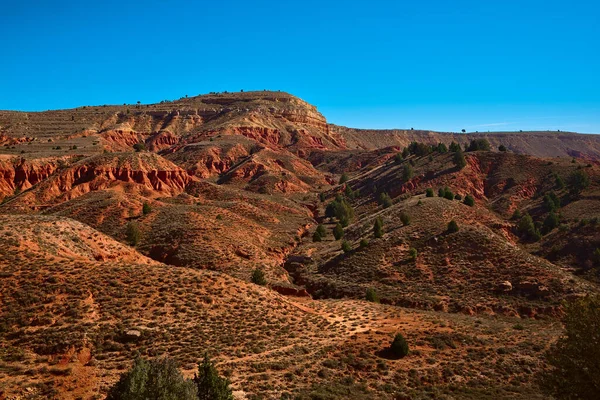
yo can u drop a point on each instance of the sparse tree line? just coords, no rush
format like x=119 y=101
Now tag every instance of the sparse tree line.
x=530 y=230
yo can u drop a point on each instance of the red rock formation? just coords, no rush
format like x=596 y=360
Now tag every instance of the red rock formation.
x=161 y=140
x=146 y=170
x=18 y=173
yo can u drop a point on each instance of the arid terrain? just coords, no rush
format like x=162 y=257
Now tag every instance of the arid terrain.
x=136 y=229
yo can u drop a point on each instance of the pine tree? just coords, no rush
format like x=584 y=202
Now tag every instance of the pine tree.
x=454 y=147
x=133 y=233
x=371 y=296
x=385 y=200
x=316 y=237
x=158 y=379
x=399 y=346
x=469 y=200
x=452 y=226
x=346 y=247
x=559 y=182
x=526 y=228
x=343 y=178
x=550 y=222
x=459 y=159
x=322 y=230
x=407 y=172
x=338 y=231
x=448 y=195
x=209 y=384
x=258 y=277
x=575 y=370
x=516 y=214
x=378 y=227
x=429 y=192
x=405 y=218
x=578 y=181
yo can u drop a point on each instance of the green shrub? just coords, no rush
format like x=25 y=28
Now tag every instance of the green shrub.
x=385 y=200
x=346 y=247
x=457 y=197
x=429 y=192
x=133 y=233
x=516 y=214
x=258 y=277
x=459 y=159
x=364 y=243
x=551 y=222
x=209 y=384
x=559 y=182
x=398 y=158
x=338 y=231
x=378 y=227
x=452 y=226
x=412 y=254
x=441 y=148
x=349 y=193
x=405 y=218
x=578 y=181
x=551 y=201
x=469 y=200
x=316 y=237
x=502 y=148
x=448 y=195
x=441 y=192
x=322 y=230
x=343 y=178
x=146 y=208
x=340 y=209
x=454 y=147
x=155 y=379
x=139 y=146
x=372 y=296
x=479 y=145
x=527 y=230
x=407 y=172
x=399 y=346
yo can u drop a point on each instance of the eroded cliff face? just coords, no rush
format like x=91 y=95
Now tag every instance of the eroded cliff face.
x=17 y=174
x=139 y=172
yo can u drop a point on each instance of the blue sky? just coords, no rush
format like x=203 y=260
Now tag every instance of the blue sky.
x=443 y=65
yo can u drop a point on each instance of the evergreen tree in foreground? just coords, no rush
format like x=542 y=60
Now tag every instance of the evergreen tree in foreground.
x=575 y=370
x=209 y=384
x=158 y=379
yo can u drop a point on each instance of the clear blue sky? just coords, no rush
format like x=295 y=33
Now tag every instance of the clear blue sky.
x=438 y=64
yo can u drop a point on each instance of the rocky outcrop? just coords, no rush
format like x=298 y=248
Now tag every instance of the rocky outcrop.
x=120 y=139
x=146 y=171
x=161 y=140
x=18 y=174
